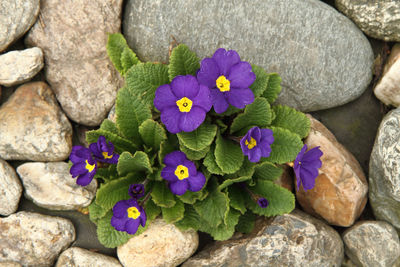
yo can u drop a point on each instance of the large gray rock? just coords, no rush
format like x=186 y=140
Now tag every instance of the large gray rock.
x=377 y=18
x=16 y=17
x=384 y=170
x=73 y=36
x=33 y=127
x=295 y=239
x=324 y=60
x=33 y=239
x=79 y=257
x=10 y=189
x=372 y=243
x=17 y=67
x=50 y=185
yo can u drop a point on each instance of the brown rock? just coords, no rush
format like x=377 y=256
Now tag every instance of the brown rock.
x=340 y=191
x=33 y=127
x=286 y=179
x=73 y=37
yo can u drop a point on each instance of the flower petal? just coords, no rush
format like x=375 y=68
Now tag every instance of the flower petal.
x=143 y=217
x=208 y=73
x=85 y=179
x=190 y=121
x=196 y=182
x=203 y=98
x=313 y=154
x=255 y=154
x=118 y=223
x=174 y=158
x=265 y=148
x=191 y=167
x=78 y=169
x=168 y=173
x=267 y=136
x=120 y=209
x=164 y=98
x=170 y=117
x=219 y=101
x=185 y=86
x=79 y=153
x=179 y=187
x=308 y=176
x=132 y=226
x=241 y=75
x=95 y=150
x=240 y=97
x=226 y=59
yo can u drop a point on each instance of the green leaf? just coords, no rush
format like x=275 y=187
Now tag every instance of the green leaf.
x=191 y=197
x=162 y=196
x=228 y=155
x=108 y=236
x=260 y=84
x=152 y=133
x=273 y=87
x=246 y=223
x=120 y=53
x=230 y=111
x=142 y=80
x=152 y=210
x=212 y=209
x=183 y=61
x=128 y=59
x=291 y=119
x=193 y=154
x=191 y=219
x=131 y=112
x=156 y=175
x=256 y=114
x=210 y=162
x=236 y=199
x=137 y=163
x=109 y=126
x=225 y=230
x=245 y=173
x=96 y=212
x=280 y=199
x=175 y=213
x=267 y=171
x=285 y=147
x=200 y=138
x=165 y=148
x=120 y=143
x=107 y=174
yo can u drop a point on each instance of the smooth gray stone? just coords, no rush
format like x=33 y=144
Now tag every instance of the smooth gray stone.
x=323 y=58
x=378 y=19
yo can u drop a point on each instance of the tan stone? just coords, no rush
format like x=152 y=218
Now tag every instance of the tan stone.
x=340 y=191
x=33 y=127
x=388 y=88
x=75 y=257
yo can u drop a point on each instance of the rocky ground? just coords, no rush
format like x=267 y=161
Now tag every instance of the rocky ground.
x=339 y=62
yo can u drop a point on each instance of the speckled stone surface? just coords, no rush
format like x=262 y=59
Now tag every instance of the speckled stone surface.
x=10 y=189
x=79 y=257
x=323 y=58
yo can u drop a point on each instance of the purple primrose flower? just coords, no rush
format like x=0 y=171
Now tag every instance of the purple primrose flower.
x=136 y=191
x=228 y=78
x=183 y=104
x=257 y=143
x=181 y=174
x=127 y=216
x=262 y=202
x=306 y=167
x=103 y=151
x=84 y=166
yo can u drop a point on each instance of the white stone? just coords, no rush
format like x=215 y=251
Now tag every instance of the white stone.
x=17 y=67
x=10 y=189
x=79 y=257
x=50 y=185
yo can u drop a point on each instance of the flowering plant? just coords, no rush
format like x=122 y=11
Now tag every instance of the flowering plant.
x=196 y=142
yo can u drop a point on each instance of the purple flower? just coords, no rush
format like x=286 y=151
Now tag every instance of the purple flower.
x=84 y=166
x=228 y=78
x=183 y=104
x=306 y=167
x=136 y=191
x=257 y=143
x=262 y=202
x=103 y=151
x=181 y=174
x=127 y=216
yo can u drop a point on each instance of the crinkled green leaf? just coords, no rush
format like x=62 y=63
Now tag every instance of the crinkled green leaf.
x=260 y=84
x=152 y=210
x=96 y=212
x=221 y=126
x=142 y=80
x=236 y=199
x=245 y=173
x=193 y=154
x=162 y=196
x=210 y=162
x=267 y=171
x=165 y=148
x=108 y=236
x=183 y=61
x=228 y=155
x=152 y=133
x=109 y=126
x=200 y=138
x=107 y=174
x=175 y=213
x=120 y=143
x=156 y=175
x=191 y=219
x=256 y=114
x=285 y=147
x=224 y=230
x=128 y=59
x=273 y=87
x=120 y=53
x=191 y=197
x=139 y=162
x=291 y=119
x=246 y=223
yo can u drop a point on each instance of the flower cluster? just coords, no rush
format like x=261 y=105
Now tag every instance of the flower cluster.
x=128 y=215
x=85 y=161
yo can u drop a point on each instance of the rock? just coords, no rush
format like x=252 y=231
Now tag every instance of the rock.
x=51 y=186
x=10 y=189
x=295 y=239
x=378 y=19
x=286 y=179
x=162 y=245
x=34 y=239
x=81 y=257
x=112 y=115
x=384 y=171
x=74 y=40
x=340 y=191
x=388 y=88
x=372 y=243
x=17 y=67
x=16 y=17
x=10 y=264
x=33 y=127
x=324 y=62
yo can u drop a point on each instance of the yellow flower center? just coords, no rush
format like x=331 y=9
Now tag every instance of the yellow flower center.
x=106 y=156
x=89 y=167
x=184 y=104
x=251 y=144
x=182 y=172
x=133 y=213
x=223 y=84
